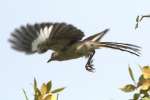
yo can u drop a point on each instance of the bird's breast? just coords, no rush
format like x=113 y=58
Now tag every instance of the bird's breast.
x=73 y=52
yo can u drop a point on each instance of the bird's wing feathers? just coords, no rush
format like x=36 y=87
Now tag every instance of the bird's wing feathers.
x=44 y=36
x=96 y=37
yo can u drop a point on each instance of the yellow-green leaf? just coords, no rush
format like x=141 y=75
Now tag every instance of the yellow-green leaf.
x=146 y=72
x=58 y=90
x=37 y=92
x=49 y=86
x=128 y=88
x=43 y=89
x=35 y=85
x=145 y=85
x=39 y=97
x=146 y=98
x=50 y=97
x=25 y=94
x=53 y=97
x=131 y=74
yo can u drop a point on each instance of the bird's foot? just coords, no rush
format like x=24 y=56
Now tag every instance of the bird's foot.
x=89 y=66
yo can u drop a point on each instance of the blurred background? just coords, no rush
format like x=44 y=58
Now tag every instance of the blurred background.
x=18 y=70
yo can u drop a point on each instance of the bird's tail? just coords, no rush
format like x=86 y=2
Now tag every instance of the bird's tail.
x=133 y=49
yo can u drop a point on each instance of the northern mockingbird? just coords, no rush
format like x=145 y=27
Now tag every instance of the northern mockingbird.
x=65 y=40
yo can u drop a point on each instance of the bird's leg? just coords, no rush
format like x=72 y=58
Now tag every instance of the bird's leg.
x=89 y=65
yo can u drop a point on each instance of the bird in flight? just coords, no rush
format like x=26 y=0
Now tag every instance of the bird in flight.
x=65 y=40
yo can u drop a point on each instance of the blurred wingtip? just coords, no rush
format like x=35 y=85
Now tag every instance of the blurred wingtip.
x=106 y=30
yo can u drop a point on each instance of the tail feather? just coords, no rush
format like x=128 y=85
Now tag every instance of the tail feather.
x=133 y=49
x=123 y=45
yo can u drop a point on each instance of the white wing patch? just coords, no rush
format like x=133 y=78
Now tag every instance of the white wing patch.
x=95 y=38
x=43 y=36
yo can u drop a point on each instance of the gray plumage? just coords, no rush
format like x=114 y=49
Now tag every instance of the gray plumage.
x=65 y=40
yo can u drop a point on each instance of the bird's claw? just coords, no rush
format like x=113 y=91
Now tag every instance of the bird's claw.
x=89 y=66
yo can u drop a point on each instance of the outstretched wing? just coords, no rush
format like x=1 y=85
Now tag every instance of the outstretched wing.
x=41 y=37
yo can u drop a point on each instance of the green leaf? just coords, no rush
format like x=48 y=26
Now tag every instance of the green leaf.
x=128 y=88
x=49 y=86
x=35 y=85
x=136 y=96
x=131 y=74
x=57 y=96
x=25 y=94
x=58 y=90
x=144 y=93
x=146 y=98
x=141 y=80
x=35 y=97
x=140 y=67
x=37 y=92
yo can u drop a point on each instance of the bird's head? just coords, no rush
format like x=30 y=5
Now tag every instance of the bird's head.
x=53 y=57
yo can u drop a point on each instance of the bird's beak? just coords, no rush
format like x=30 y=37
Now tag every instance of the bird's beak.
x=49 y=60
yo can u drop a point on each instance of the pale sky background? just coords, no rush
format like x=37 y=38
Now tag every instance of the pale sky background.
x=18 y=70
